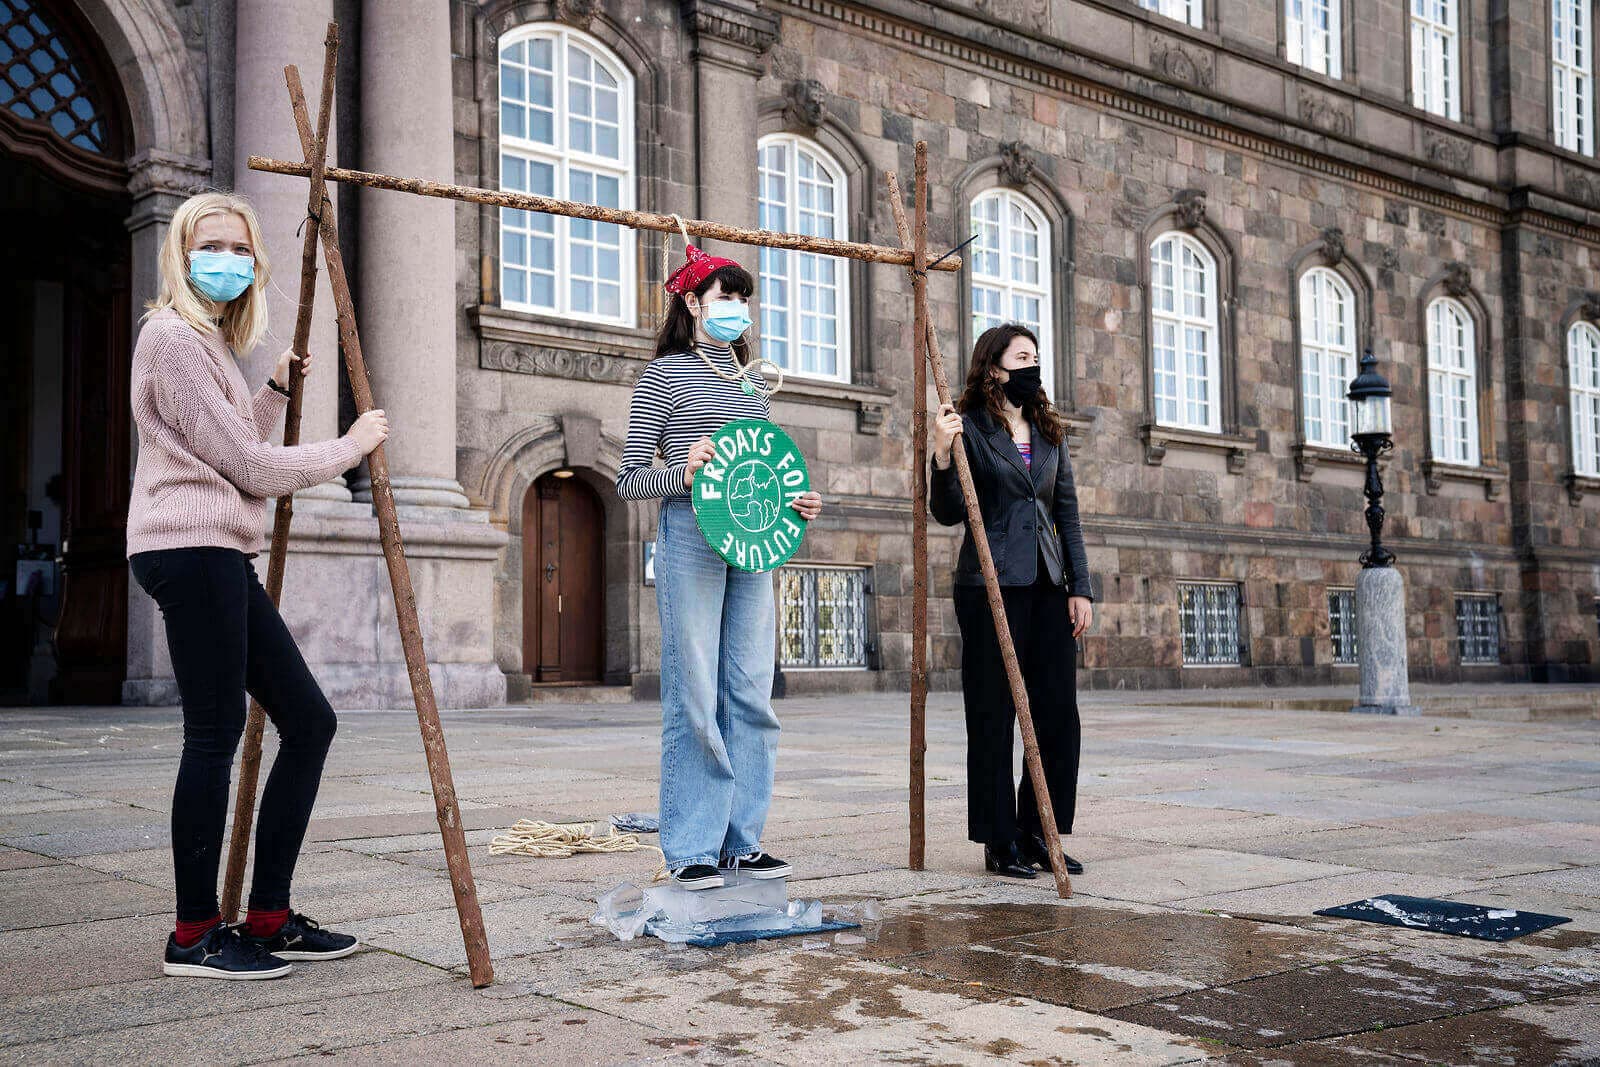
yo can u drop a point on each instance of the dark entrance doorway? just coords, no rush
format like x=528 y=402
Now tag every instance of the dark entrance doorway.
x=563 y=581
x=65 y=324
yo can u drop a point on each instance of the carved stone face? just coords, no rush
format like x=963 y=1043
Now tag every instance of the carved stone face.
x=1016 y=163
x=806 y=104
x=1191 y=208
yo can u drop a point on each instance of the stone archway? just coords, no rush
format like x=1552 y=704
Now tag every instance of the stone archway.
x=573 y=443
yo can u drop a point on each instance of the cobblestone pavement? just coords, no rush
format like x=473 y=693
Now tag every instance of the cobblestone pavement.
x=1210 y=835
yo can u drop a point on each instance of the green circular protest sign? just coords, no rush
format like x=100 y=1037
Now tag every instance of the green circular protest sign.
x=742 y=497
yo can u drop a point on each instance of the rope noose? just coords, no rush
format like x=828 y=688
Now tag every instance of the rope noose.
x=743 y=374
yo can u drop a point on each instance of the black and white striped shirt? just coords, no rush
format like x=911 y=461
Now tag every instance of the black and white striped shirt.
x=676 y=401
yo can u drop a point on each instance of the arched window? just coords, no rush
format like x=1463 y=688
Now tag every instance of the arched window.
x=1436 y=57
x=1583 y=361
x=1184 y=342
x=1572 y=74
x=1452 y=383
x=45 y=80
x=805 y=297
x=566 y=130
x=1327 y=356
x=1010 y=270
x=1314 y=35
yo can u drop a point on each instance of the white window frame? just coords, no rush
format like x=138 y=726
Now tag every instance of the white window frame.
x=1583 y=379
x=1342 y=625
x=1007 y=283
x=1191 y=11
x=1327 y=357
x=1436 y=42
x=1189 y=259
x=1317 y=48
x=563 y=159
x=1477 y=627
x=1452 y=383
x=797 y=574
x=1211 y=624
x=788 y=355
x=1572 y=74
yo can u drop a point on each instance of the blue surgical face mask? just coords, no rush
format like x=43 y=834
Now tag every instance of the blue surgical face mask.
x=726 y=320
x=221 y=276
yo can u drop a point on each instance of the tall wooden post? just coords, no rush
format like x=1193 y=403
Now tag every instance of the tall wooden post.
x=919 y=516
x=405 y=599
x=991 y=583
x=244 y=802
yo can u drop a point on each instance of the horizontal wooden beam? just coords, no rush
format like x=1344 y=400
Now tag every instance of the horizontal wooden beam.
x=639 y=220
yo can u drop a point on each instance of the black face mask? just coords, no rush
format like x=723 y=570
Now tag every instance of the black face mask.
x=1023 y=385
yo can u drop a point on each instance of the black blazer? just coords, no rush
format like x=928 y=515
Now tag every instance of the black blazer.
x=1028 y=513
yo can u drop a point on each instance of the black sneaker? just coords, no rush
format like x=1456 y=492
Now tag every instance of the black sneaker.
x=300 y=938
x=223 y=953
x=697 y=876
x=760 y=865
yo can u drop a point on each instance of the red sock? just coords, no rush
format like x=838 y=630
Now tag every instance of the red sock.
x=189 y=934
x=258 y=923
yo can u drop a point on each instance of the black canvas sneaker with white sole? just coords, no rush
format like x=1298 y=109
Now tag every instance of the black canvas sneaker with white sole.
x=761 y=865
x=223 y=953
x=300 y=938
x=698 y=876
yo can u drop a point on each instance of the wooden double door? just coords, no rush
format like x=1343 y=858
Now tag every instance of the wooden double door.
x=563 y=581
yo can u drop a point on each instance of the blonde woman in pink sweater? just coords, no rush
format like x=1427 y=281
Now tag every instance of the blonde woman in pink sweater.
x=205 y=472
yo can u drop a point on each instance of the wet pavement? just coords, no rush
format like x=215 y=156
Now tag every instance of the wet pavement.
x=1210 y=834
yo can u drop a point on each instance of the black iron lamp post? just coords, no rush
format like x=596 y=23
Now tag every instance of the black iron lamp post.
x=1370 y=396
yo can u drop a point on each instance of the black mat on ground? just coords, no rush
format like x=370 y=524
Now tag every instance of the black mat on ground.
x=1446 y=917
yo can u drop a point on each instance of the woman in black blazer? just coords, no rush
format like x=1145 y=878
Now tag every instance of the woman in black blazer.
x=1015 y=443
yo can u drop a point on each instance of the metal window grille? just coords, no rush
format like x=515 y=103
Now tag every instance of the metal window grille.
x=822 y=616
x=1342 y=624
x=1209 y=613
x=43 y=80
x=1478 y=627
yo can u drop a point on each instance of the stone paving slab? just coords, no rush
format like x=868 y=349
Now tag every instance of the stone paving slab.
x=1210 y=835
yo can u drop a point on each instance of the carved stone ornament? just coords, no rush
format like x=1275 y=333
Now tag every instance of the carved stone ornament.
x=805 y=104
x=1191 y=211
x=1333 y=250
x=1589 y=310
x=1325 y=113
x=1034 y=14
x=1581 y=185
x=1184 y=64
x=1017 y=165
x=557 y=362
x=738 y=22
x=1445 y=150
x=1457 y=280
x=577 y=13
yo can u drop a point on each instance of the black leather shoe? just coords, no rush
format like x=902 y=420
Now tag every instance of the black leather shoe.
x=1033 y=851
x=1006 y=861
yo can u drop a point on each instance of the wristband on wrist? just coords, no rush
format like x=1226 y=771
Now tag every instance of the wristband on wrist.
x=272 y=383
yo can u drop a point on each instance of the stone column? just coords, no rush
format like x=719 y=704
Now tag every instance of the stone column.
x=731 y=37
x=269 y=35
x=405 y=296
x=1381 y=643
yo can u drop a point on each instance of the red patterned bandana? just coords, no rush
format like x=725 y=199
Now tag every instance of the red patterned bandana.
x=698 y=267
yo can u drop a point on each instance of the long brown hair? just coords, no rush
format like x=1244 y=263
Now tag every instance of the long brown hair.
x=983 y=391
x=677 y=332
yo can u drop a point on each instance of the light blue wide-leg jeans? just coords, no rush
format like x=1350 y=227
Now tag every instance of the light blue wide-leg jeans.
x=719 y=734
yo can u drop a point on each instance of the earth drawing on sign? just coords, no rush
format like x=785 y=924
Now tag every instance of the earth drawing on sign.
x=754 y=496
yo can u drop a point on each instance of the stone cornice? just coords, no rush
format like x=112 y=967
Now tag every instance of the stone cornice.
x=1432 y=176
x=738 y=22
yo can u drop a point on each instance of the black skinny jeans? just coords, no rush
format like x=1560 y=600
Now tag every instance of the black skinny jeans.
x=997 y=812
x=226 y=638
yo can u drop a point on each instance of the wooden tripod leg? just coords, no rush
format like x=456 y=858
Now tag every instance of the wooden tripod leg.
x=919 y=522
x=244 y=802
x=991 y=583
x=405 y=599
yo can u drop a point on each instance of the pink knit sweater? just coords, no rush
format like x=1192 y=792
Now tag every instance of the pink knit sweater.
x=205 y=471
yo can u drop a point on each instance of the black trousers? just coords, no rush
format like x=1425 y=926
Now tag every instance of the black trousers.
x=997 y=812
x=226 y=638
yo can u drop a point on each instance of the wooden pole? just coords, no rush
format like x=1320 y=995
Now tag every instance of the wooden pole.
x=405 y=599
x=991 y=583
x=639 y=220
x=244 y=802
x=919 y=517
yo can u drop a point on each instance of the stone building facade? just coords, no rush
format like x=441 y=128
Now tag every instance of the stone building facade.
x=1213 y=208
